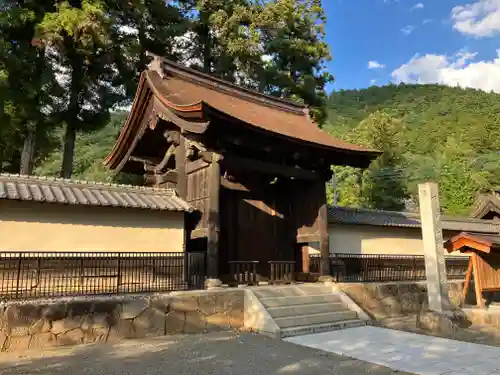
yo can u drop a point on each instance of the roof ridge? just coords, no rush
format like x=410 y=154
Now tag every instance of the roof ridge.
x=221 y=84
x=84 y=182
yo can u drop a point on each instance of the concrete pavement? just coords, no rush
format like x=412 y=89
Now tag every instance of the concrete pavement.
x=404 y=351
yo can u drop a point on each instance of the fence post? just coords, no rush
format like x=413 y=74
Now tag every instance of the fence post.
x=379 y=266
x=118 y=276
x=82 y=272
x=38 y=271
x=337 y=267
x=18 y=273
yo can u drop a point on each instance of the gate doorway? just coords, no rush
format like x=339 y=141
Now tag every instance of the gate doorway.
x=256 y=225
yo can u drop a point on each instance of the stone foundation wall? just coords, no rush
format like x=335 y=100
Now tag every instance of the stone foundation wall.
x=480 y=316
x=389 y=300
x=41 y=324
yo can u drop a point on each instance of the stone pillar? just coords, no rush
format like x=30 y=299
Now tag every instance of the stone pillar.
x=432 y=235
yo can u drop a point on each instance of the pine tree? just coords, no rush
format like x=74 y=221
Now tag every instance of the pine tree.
x=139 y=27
x=383 y=182
x=294 y=44
x=26 y=84
x=79 y=48
x=274 y=46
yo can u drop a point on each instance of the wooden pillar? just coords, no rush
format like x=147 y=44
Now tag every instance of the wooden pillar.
x=180 y=166
x=213 y=218
x=324 y=247
x=477 y=282
x=305 y=258
x=468 y=278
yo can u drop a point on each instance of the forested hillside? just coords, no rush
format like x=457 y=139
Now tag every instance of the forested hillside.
x=428 y=132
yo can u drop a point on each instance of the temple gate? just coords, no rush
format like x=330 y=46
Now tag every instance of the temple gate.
x=254 y=167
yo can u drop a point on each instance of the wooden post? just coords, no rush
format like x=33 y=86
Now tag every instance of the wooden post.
x=180 y=165
x=213 y=218
x=324 y=247
x=477 y=283
x=305 y=258
x=467 y=280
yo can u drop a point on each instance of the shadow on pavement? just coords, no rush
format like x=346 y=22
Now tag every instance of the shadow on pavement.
x=216 y=353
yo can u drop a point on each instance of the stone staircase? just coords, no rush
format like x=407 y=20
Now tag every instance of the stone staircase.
x=308 y=308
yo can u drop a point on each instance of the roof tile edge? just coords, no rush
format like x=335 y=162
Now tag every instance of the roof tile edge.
x=19 y=177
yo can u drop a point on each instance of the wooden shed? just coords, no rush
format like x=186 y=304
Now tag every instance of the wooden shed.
x=254 y=166
x=484 y=261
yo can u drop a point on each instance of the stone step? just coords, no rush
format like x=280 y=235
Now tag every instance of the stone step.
x=309 y=319
x=323 y=327
x=305 y=309
x=291 y=290
x=298 y=300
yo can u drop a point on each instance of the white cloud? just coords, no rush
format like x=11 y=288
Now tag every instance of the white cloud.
x=373 y=82
x=407 y=30
x=426 y=21
x=417 y=6
x=373 y=64
x=456 y=70
x=479 y=19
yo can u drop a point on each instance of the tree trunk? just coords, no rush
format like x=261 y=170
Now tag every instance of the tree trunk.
x=68 y=151
x=205 y=41
x=71 y=118
x=28 y=153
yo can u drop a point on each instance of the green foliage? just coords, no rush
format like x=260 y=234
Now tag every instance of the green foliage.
x=25 y=83
x=89 y=54
x=78 y=35
x=141 y=26
x=275 y=46
x=91 y=149
x=382 y=185
x=448 y=135
x=83 y=23
x=294 y=40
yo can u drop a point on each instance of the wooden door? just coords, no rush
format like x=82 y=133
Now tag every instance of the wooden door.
x=255 y=227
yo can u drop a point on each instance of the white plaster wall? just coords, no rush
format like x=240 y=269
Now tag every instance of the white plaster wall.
x=370 y=239
x=32 y=226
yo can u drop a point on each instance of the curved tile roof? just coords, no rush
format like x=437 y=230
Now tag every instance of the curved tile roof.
x=280 y=119
x=64 y=191
x=485 y=204
x=194 y=98
x=350 y=215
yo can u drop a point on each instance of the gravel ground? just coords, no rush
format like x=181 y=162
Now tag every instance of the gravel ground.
x=215 y=353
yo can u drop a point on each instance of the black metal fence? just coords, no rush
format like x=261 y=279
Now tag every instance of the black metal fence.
x=42 y=274
x=380 y=268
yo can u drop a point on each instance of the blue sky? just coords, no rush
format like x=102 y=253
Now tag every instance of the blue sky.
x=453 y=42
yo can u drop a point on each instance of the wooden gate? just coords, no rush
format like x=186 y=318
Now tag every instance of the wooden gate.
x=256 y=226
